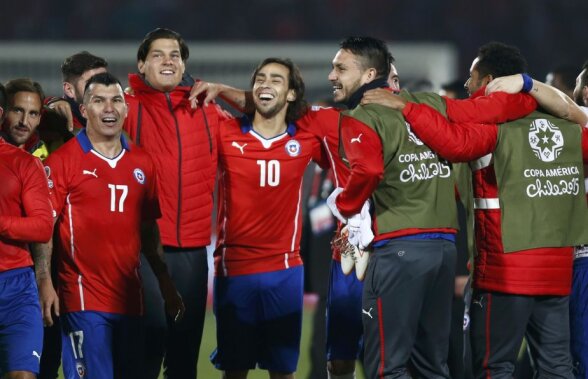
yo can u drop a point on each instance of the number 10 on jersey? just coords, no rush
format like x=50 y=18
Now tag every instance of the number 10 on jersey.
x=269 y=173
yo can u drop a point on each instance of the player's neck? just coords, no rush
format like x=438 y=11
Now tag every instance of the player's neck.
x=269 y=127
x=108 y=146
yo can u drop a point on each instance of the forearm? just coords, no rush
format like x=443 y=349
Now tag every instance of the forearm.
x=152 y=249
x=41 y=254
x=557 y=103
x=237 y=98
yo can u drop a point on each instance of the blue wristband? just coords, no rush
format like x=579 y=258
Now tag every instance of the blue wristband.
x=527 y=83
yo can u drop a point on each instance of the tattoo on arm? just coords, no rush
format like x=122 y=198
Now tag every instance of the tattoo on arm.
x=41 y=253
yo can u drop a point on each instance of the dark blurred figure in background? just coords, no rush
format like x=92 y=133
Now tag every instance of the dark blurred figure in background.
x=563 y=78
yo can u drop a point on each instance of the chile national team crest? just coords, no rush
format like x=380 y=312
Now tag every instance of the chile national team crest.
x=139 y=175
x=293 y=148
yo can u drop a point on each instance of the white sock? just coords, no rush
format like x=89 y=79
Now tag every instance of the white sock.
x=351 y=375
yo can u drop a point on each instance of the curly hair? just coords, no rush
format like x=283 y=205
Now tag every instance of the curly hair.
x=498 y=59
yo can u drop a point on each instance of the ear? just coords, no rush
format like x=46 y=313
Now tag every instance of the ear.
x=83 y=111
x=291 y=95
x=68 y=90
x=487 y=79
x=141 y=66
x=370 y=75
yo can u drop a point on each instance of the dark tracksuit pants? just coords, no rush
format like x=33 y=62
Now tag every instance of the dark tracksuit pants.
x=406 y=304
x=498 y=323
x=176 y=344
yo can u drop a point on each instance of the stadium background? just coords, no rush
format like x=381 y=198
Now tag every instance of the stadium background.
x=433 y=41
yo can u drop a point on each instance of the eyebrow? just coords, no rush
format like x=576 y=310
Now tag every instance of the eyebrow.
x=270 y=75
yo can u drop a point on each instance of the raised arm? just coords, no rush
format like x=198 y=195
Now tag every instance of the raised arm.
x=205 y=92
x=551 y=99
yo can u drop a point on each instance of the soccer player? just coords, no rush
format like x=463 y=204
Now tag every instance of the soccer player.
x=24 y=99
x=182 y=143
x=535 y=171
x=61 y=120
x=103 y=190
x=258 y=271
x=25 y=217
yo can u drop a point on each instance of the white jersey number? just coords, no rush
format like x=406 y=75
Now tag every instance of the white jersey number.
x=121 y=200
x=269 y=172
x=77 y=347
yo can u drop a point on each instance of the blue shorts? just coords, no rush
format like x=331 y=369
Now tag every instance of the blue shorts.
x=21 y=323
x=579 y=316
x=258 y=320
x=344 y=323
x=101 y=345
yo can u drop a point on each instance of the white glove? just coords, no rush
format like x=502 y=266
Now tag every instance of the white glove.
x=331 y=203
x=360 y=227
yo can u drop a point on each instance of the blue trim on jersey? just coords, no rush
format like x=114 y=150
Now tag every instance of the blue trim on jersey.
x=420 y=236
x=86 y=145
x=247 y=126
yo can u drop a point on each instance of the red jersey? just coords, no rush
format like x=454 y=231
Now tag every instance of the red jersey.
x=323 y=123
x=100 y=203
x=260 y=197
x=25 y=210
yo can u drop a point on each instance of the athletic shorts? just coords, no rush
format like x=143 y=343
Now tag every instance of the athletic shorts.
x=101 y=345
x=344 y=324
x=21 y=323
x=258 y=320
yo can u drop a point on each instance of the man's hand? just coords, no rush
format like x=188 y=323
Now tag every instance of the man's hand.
x=212 y=90
x=332 y=204
x=62 y=108
x=174 y=305
x=383 y=97
x=360 y=228
x=508 y=84
x=49 y=301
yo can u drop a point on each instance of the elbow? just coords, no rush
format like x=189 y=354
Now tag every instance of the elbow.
x=45 y=231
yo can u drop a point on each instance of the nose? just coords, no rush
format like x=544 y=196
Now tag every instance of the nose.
x=108 y=106
x=332 y=76
x=466 y=84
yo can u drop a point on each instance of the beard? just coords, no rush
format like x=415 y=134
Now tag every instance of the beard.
x=271 y=111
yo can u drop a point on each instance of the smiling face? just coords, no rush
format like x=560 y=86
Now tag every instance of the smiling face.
x=163 y=66
x=22 y=117
x=271 y=92
x=105 y=109
x=476 y=81
x=347 y=75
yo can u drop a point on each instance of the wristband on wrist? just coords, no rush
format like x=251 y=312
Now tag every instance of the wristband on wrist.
x=527 y=83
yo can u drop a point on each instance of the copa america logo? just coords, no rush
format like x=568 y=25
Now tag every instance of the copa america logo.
x=546 y=140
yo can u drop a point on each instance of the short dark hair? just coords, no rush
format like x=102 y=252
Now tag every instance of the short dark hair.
x=160 y=33
x=105 y=78
x=299 y=106
x=373 y=52
x=74 y=66
x=14 y=86
x=499 y=59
